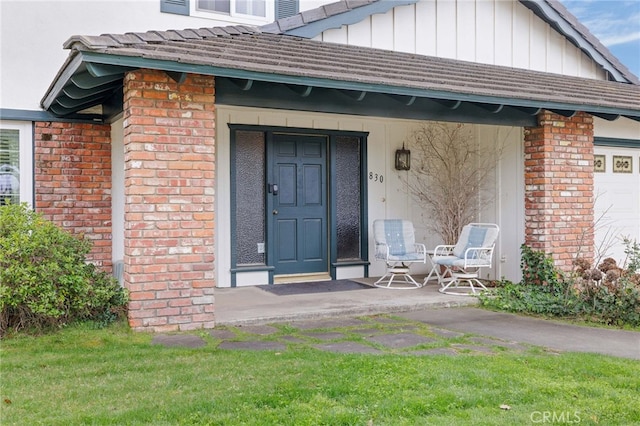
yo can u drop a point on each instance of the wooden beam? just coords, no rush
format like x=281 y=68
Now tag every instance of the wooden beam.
x=528 y=110
x=178 y=77
x=403 y=99
x=356 y=95
x=303 y=91
x=451 y=104
x=104 y=70
x=75 y=92
x=492 y=108
x=243 y=84
x=564 y=112
x=608 y=117
x=87 y=81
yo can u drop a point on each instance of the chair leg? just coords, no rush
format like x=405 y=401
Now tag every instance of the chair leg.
x=392 y=272
x=458 y=279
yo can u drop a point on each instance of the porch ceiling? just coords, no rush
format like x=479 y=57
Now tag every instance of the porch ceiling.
x=283 y=71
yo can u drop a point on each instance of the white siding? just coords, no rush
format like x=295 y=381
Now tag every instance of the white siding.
x=494 y=32
x=32 y=34
x=117 y=190
x=425 y=23
x=386 y=199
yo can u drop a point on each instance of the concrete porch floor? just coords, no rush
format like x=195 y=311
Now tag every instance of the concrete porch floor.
x=252 y=305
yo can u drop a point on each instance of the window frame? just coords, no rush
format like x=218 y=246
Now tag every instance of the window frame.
x=234 y=16
x=25 y=145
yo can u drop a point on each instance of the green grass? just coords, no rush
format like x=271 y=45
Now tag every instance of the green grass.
x=114 y=376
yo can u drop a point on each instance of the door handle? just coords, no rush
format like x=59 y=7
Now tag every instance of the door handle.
x=273 y=188
x=275 y=212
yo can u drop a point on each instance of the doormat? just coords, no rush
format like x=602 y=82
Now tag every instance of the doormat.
x=314 y=287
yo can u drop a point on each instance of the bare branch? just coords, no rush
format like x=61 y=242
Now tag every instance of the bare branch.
x=451 y=171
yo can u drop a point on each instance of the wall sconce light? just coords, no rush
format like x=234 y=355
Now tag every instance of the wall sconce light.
x=403 y=159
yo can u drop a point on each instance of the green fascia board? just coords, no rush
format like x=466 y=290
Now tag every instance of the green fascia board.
x=616 y=142
x=157 y=64
x=29 y=115
x=352 y=16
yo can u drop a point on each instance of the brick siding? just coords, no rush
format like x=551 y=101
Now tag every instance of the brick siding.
x=559 y=217
x=169 y=200
x=73 y=181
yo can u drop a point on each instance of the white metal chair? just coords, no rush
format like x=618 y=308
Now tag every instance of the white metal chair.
x=461 y=262
x=395 y=244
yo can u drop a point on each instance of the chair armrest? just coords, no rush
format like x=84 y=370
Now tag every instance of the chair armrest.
x=478 y=256
x=422 y=249
x=443 y=250
x=382 y=251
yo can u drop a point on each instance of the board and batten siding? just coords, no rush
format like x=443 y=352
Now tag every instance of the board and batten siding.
x=387 y=197
x=495 y=32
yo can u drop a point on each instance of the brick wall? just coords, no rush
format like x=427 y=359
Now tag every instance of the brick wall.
x=169 y=200
x=73 y=181
x=559 y=187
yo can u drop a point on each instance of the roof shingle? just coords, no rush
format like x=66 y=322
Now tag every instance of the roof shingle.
x=274 y=57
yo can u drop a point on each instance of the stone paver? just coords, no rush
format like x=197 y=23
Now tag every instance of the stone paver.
x=178 y=340
x=400 y=340
x=326 y=336
x=446 y=333
x=263 y=330
x=459 y=333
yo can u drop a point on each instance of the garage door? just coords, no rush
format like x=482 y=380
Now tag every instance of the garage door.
x=617 y=206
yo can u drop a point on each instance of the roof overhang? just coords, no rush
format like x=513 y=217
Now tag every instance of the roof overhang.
x=94 y=78
x=550 y=14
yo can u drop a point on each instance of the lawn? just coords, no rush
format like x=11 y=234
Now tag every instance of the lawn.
x=114 y=376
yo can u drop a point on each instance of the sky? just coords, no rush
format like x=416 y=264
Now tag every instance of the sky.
x=616 y=23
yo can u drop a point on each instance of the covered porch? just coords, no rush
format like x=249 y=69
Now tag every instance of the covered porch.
x=174 y=99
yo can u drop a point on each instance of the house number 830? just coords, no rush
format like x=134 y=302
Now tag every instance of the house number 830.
x=375 y=177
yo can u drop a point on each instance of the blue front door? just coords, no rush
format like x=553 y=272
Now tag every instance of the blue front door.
x=297 y=204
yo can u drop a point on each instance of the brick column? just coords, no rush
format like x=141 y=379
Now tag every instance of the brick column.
x=169 y=195
x=72 y=177
x=559 y=200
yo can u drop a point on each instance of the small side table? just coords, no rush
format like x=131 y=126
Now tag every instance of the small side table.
x=434 y=268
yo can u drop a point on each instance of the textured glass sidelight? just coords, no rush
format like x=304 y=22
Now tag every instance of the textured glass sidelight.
x=348 y=197
x=249 y=209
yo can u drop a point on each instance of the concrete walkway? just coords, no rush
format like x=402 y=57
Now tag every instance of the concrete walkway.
x=550 y=334
x=253 y=310
x=253 y=305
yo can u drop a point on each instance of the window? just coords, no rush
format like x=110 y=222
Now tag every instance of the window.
x=15 y=163
x=255 y=8
x=233 y=11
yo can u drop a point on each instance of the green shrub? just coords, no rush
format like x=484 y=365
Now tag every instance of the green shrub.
x=607 y=294
x=45 y=280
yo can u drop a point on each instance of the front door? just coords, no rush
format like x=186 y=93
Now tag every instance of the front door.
x=297 y=204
